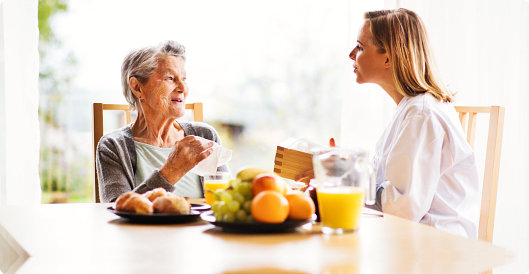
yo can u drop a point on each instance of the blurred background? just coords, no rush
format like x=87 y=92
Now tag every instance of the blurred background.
x=271 y=70
x=265 y=71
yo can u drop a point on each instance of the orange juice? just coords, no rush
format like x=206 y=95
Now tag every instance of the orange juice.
x=340 y=207
x=212 y=186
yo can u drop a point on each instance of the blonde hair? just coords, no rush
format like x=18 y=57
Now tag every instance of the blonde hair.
x=401 y=33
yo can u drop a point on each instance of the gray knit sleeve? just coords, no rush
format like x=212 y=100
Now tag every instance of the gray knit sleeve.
x=115 y=169
x=113 y=175
x=155 y=180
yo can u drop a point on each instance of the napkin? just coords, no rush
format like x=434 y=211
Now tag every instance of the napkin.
x=219 y=157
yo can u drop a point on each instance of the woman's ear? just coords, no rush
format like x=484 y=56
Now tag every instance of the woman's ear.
x=135 y=87
x=387 y=64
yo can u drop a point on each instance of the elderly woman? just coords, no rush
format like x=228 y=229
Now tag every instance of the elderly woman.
x=156 y=150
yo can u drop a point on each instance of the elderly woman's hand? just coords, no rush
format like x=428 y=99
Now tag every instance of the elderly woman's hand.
x=187 y=153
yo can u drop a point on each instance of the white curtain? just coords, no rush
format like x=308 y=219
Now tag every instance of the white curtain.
x=19 y=126
x=482 y=53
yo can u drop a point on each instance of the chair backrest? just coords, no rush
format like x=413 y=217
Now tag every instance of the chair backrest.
x=467 y=117
x=98 y=108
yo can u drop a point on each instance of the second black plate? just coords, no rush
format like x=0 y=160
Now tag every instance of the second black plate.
x=255 y=227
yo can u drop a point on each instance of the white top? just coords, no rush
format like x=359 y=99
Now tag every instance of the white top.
x=427 y=168
x=153 y=157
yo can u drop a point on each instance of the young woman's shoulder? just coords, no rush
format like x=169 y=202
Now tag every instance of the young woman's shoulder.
x=425 y=105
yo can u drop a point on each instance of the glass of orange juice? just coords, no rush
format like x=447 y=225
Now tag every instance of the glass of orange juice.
x=219 y=180
x=344 y=183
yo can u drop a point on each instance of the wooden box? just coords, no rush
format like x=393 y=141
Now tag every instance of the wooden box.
x=289 y=162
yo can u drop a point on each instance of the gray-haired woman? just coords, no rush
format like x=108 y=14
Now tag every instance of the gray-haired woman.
x=156 y=150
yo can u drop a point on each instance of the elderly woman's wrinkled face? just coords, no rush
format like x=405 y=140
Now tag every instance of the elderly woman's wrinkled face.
x=166 y=91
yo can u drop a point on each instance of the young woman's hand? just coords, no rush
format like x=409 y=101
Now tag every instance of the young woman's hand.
x=332 y=143
x=307 y=175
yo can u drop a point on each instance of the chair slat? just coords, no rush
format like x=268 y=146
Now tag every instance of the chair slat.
x=492 y=162
x=198 y=112
x=462 y=119
x=471 y=130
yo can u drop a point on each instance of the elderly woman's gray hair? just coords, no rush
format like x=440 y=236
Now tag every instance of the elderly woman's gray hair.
x=141 y=64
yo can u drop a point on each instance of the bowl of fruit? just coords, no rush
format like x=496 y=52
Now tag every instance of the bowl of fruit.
x=259 y=201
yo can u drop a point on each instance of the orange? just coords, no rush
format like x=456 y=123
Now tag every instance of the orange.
x=270 y=206
x=268 y=181
x=301 y=206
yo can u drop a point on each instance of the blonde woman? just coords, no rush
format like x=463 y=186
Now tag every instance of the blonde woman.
x=426 y=171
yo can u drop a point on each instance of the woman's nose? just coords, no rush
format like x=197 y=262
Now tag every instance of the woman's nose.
x=352 y=55
x=180 y=86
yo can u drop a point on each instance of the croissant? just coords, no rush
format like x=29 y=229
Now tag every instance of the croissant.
x=171 y=204
x=121 y=200
x=155 y=193
x=134 y=202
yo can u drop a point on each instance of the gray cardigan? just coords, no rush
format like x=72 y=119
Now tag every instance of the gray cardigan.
x=116 y=162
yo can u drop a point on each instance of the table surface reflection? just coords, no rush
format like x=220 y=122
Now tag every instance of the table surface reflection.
x=87 y=238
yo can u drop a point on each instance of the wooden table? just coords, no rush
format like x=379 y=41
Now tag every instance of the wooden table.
x=87 y=238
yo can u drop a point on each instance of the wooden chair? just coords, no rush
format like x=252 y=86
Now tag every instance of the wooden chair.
x=98 y=108
x=467 y=117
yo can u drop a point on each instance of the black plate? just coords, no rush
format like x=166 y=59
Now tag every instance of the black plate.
x=158 y=218
x=255 y=227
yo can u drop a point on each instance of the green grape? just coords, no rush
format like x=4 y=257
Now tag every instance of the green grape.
x=223 y=207
x=250 y=218
x=246 y=191
x=245 y=188
x=241 y=215
x=231 y=192
x=215 y=206
x=228 y=217
x=238 y=197
x=247 y=206
x=226 y=196
x=237 y=187
x=233 y=206
x=249 y=186
x=217 y=194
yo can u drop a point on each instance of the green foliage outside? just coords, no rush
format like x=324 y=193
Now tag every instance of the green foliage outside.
x=254 y=117
x=63 y=178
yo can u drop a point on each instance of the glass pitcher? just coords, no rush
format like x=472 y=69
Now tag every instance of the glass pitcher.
x=345 y=180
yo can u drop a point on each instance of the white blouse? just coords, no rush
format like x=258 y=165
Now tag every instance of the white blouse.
x=427 y=169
